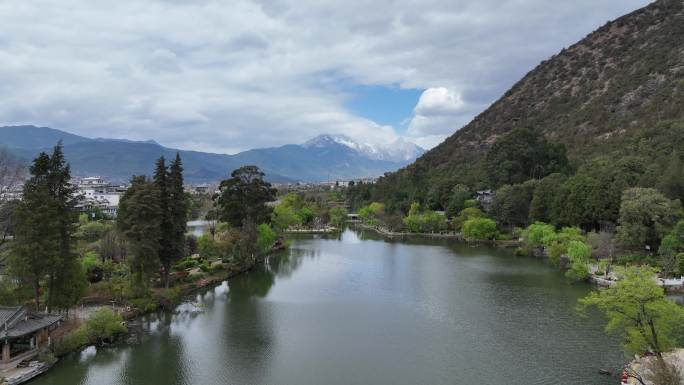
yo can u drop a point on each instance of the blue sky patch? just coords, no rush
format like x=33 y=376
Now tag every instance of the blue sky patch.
x=384 y=105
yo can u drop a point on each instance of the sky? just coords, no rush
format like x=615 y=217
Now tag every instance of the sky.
x=226 y=76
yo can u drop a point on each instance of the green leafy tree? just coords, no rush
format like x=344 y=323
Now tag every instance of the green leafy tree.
x=266 y=237
x=466 y=214
x=242 y=203
x=139 y=221
x=307 y=215
x=244 y=197
x=370 y=214
x=557 y=244
x=92 y=231
x=646 y=216
x=591 y=198
x=511 y=204
x=459 y=195
x=578 y=254
x=543 y=198
x=207 y=247
x=524 y=154
x=480 y=228
x=284 y=217
x=637 y=309
x=338 y=216
x=538 y=233
x=414 y=209
x=672 y=251
x=672 y=180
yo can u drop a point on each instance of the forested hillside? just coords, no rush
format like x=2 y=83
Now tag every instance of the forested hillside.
x=564 y=142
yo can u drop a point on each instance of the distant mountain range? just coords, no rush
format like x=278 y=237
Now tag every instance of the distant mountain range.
x=326 y=157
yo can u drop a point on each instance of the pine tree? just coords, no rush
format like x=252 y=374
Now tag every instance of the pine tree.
x=139 y=220
x=177 y=216
x=36 y=234
x=44 y=221
x=161 y=181
x=62 y=274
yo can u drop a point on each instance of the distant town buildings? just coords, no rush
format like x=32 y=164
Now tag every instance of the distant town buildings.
x=11 y=193
x=203 y=188
x=95 y=193
x=301 y=186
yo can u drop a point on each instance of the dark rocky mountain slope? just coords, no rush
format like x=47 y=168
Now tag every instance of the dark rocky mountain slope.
x=618 y=92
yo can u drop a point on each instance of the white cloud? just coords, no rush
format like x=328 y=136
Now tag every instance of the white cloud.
x=226 y=76
x=439 y=101
x=438 y=113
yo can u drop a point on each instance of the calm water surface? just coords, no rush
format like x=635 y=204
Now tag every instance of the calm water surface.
x=358 y=310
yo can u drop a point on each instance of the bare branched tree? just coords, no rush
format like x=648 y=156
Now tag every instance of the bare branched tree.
x=12 y=174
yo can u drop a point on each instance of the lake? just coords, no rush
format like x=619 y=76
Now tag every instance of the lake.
x=356 y=309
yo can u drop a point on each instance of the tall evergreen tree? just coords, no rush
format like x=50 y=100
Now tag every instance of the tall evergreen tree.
x=36 y=233
x=64 y=271
x=177 y=214
x=161 y=181
x=139 y=220
x=44 y=227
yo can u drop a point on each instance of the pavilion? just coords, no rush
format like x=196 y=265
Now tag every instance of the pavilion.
x=24 y=333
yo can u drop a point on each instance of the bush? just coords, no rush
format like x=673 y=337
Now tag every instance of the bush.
x=92 y=231
x=207 y=247
x=90 y=260
x=185 y=263
x=338 y=216
x=92 y=266
x=70 y=342
x=205 y=267
x=104 y=325
x=266 y=237
x=170 y=297
x=480 y=228
x=145 y=304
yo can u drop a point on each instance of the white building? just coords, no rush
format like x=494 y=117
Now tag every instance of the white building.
x=97 y=193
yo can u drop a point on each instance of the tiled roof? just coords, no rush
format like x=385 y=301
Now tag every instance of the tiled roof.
x=10 y=315
x=17 y=322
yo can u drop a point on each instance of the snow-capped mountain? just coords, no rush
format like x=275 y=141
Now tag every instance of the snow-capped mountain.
x=399 y=151
x=324 y=158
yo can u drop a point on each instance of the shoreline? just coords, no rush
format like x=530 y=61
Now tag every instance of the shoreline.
x=448 y=235
x=187 y=289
